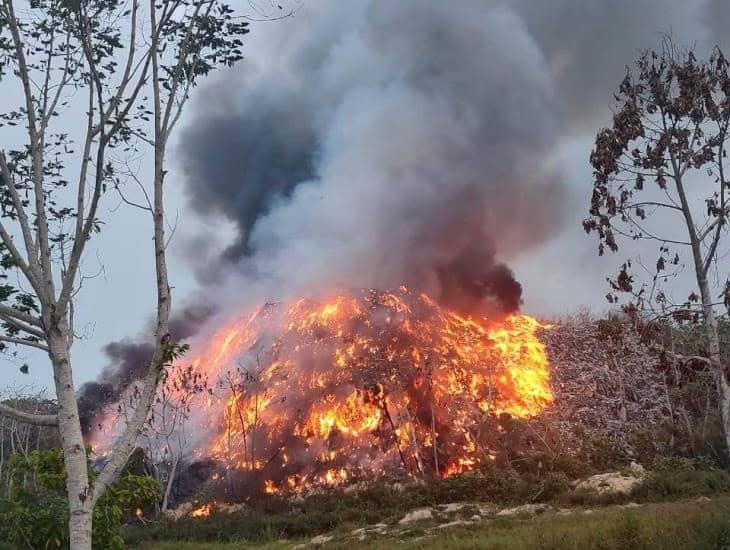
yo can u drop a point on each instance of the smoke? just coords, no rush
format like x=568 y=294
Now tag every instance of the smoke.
x=129 y=360
x=389 y=143
x=589 y=44
x=372 y=144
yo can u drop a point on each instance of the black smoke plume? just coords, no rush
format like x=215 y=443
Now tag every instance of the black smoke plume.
x=128 y=362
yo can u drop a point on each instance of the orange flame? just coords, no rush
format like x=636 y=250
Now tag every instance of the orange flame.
x=364 y=384
x=203 y=511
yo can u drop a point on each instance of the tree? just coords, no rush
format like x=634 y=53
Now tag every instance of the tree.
x=659 y=174
x=20 y=438
x=166 y=439
x=126 y=69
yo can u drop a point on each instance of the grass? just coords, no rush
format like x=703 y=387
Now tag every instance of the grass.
x=683 y=524
x=662 y=525
x=338 y=511
x=273 y=518
x=213 y=546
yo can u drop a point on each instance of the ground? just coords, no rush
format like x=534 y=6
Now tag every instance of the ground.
x=679 y=503
x=697 y=523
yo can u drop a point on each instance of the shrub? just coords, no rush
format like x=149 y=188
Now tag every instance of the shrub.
x=679 y=477
x=36 y=513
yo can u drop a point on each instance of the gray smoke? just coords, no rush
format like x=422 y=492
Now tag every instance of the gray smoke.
x=588 y=44
x=372 y=143
x=387 y=143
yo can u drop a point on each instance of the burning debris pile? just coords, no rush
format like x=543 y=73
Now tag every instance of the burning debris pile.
x=358 y=386
x=365 y=385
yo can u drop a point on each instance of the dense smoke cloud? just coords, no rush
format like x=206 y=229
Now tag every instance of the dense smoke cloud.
x=370 y=144
x=390 y=143
x=589 y=44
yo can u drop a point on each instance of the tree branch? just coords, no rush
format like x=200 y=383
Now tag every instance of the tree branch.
x=721 y=217
x=22 y=217
x=8 y=311
x=23 y=342
x=36 y=148
x=652 y=203
x=688 y=358
x=29 y=418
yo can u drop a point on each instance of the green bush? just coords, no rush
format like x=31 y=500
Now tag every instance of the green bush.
x=679 y=477
x=36 y=513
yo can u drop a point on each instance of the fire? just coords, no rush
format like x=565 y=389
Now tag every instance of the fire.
x=361 y=385
x=351 y=417
x=203 y=511
x=270 y=488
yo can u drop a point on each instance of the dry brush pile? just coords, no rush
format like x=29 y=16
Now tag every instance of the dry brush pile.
x=617 y=394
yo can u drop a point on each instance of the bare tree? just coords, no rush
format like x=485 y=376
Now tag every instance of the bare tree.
x=126 y=68
x=660 y=175
x=166 y=438
x=18 y=437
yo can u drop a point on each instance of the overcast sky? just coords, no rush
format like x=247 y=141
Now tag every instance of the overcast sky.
x=293 y=161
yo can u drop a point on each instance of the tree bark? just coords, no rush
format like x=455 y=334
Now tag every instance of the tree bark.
x=74 y=453
x=170 y=481
x=713 y=349
x=709 y=320
x=724 y=391
x=28 y=418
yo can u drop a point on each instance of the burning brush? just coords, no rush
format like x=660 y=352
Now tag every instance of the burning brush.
x=361 y=385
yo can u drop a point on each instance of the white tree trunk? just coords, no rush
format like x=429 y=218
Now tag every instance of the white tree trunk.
x=725 y=405
x=170 y=481
x=74 y=453
x=713 y=348
x=708 y=311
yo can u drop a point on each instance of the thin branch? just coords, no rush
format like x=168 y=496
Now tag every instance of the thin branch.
x=173 y=229
x=128 y=202
x=652 y=203
x=23 y=342
x=712 y=226
x=22 y=217
x=7 y=240
x=688 y=358
x=48 y=113
x=721 y=217
x=114 y=103
x=645 y=234
x=82 y=237
x=182 y=59
x=36 y=147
